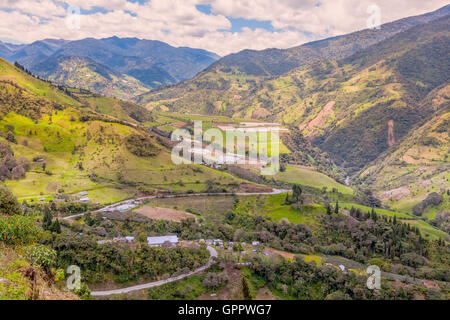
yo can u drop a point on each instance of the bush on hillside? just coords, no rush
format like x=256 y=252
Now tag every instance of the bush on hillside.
x=432 y=199
x=140 y=146
x=8 y=202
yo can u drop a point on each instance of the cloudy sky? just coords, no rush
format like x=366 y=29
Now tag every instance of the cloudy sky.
x=221 y=26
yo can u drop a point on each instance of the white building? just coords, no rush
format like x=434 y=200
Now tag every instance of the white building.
x=159 y=241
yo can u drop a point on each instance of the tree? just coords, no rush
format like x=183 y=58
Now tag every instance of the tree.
x=10 y=137
x=9 y=161
x=8 y=202
x=24 y=162
x=297 y=193
x=287 y=200
x=18 y=172
x=246 y=288
x=55 y=227
x=47 y=221
x=336 y=209
x=329 y=210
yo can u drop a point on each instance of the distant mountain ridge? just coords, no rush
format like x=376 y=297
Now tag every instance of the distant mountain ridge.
x=151 y=63
x=343 y=106
x=275 y=62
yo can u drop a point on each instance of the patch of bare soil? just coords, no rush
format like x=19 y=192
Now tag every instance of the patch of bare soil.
x=252 y=188
x=411 y=160
x=156 y=213
x=233 y=290
x=260 y=113
x=395 y=194
x=430 y=284
x=284 y=254
x=178 y=124
x=321 y=117
x=265 y=294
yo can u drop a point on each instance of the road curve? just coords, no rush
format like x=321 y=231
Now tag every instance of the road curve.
x=275 y=191
x=212 y=252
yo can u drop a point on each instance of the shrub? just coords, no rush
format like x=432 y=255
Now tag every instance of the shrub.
x=41 y=255
x=18 y=229
x=140 y=146
x=8 y=202
x=10 y=137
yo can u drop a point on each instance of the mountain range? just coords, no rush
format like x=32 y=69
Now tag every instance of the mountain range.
x=361 y=99
x=121 y=67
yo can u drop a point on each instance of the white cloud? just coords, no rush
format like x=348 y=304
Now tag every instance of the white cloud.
x=179 y=23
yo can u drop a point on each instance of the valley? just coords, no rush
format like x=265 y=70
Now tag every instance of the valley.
x=352 y=171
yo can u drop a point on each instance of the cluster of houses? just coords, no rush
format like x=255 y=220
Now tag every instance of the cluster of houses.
x=229 y=245
x=166 y=241
x=172 y=240
x=84 y=198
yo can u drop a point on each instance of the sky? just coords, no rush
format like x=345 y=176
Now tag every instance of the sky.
x=220 y=26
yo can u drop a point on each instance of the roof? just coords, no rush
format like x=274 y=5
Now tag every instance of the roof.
x=84 y=199
x=83 y=193
x=161 y=240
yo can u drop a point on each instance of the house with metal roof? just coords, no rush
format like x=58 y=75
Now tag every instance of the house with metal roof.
x=159 y=241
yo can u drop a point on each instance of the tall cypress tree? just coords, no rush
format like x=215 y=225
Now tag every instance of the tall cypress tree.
x=47 y=221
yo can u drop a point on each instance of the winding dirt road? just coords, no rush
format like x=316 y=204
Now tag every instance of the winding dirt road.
x=212 y=252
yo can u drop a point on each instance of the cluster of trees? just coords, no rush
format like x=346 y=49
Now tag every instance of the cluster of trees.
x=433 y=198
x=122 y=262
x=306 y=281
x=48 y=223
x=10 y=167
x=365 y=235
x=442 y=221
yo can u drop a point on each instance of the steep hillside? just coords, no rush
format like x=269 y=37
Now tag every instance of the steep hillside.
x=71 y=148
x=229 y=83
x=418 y=165
x=80 y=72
x=274 y=62
x=343 y=107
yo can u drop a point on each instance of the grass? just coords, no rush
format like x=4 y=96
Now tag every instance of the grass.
x=313 y=257
x=427 y=231
x=274 y=207
x=100 y=147
x=10 y=264
x=311 y=178
x=383 y=212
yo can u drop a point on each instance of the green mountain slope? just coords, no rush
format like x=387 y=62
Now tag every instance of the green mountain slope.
x=229 y=83
x=71 y=148
x=80 y=72
x=274 y=62
x=417 y=165
x=344 y=107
